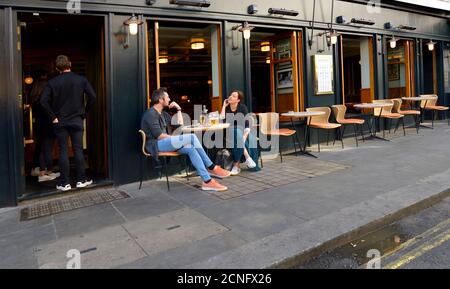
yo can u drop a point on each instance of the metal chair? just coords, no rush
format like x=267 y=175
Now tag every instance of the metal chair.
x=164 y=156
x=268 y=126
x=339 y=113
x=321 y=122
x=397 y=108
x=386 y=113
x=431 y=105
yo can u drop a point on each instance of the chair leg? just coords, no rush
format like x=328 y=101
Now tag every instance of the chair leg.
x=361 y=127
x=281 y=153
x=295 y=146
x=141 y=175
x=396 y=125
x=342 y=139
x=417 y=119
x=384 y=121
x=328 y=136
x=186 y=163
x=389 y=125
x=318 y=140
x=166 y=173
x=356 y=134
x=403 y=125
x=433 y=115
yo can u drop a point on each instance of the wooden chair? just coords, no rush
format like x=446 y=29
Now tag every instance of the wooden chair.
x=164 y=156
x=397 y=108
x=321 y=122
x=268 y=122
x=339 y=111
x=386 y=113
x=432 y=106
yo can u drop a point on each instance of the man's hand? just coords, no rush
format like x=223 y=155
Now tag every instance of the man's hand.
x=56 y=120
x=175 y=105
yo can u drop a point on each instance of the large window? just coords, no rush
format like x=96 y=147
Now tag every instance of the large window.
x=185 y=58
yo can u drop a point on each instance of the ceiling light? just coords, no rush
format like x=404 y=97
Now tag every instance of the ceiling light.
x=265 y=46
x=197 y=43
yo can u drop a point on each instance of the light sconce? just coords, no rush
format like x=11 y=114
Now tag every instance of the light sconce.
x=163 y=57
x=245 y=29
x=332 y=37
x=133 y=23
x=28 y=80
x=265 y=46
x=393 y=42
x=197 y=43
x=431 y=45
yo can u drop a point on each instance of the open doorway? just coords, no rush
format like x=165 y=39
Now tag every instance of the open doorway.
x=275 y=68
x=185 y=58
x=44 y=37
x=357 y=70
x=430 y=83
x=400 y=68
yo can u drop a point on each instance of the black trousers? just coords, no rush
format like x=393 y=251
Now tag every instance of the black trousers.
x=75 y=132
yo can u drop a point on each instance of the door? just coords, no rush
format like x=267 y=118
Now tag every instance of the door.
x=284 y=72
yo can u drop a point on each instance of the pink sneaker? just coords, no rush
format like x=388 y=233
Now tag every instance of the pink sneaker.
x=218 y=172
x=213 y=185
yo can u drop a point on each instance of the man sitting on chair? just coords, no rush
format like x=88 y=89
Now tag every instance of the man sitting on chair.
x=156 y=123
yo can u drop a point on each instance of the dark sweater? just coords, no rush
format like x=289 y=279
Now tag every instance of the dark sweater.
x=63 y=98
x=241 y=108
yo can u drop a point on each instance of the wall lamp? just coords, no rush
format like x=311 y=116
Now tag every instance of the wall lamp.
x=393 y=42
x=431 y=45
x=195 y=3
x=246 y=31
x=282 y=11
x=133 y=23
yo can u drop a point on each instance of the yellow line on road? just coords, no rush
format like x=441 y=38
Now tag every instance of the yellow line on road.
x=418 y=238
x=419 y=251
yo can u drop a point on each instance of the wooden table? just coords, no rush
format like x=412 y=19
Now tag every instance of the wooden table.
x=303 y=114
x=373 y=133
x=417 y=99
x=204 y=128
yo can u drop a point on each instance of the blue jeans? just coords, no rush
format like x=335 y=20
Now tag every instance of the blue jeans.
x=188 y=144
x=238 y=147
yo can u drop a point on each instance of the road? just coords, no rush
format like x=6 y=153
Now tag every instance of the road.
x=419 y=241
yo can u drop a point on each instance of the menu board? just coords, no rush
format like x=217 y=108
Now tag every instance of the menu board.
x=323 y=74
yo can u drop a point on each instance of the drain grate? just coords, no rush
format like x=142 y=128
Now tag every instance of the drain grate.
x=71 y=203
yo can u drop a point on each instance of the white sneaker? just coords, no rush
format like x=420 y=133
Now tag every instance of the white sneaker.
x=84 y=184
x=46 y=178
x=235 y=171
x=56 y=175
x=35 y=172
x=65 y=188
x=250 y=163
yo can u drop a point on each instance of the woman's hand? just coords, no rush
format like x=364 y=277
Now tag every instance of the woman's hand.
x=226 y=103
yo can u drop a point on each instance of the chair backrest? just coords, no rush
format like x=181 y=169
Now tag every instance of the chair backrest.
x=268 y=122
x=429 y=102
x=339 y=112
x=397 y=108
x=144 y=140
x=322 y=119
x=383 y=110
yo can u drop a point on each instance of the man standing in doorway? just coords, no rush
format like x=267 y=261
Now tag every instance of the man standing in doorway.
x=64 y=101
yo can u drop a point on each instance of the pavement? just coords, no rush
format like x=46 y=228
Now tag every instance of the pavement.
x=275 y=222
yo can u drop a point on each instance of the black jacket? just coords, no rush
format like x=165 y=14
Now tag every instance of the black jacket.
x=63 y=98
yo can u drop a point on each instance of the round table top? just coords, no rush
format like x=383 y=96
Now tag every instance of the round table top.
x=372 y=105
x=419 y=98
x=300 y=114
x=203 y=128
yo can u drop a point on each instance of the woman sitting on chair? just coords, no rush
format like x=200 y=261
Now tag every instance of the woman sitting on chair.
x=244 y=147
